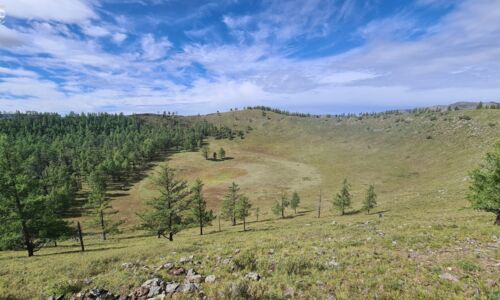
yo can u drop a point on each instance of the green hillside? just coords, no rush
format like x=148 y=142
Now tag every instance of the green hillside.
x=421 y=241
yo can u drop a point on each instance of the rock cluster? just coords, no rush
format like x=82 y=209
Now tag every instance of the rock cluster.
x=154 y=288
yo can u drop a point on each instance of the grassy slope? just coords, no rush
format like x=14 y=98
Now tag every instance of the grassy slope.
x=426 y=229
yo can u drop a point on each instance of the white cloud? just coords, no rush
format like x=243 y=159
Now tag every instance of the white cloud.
x=153 y=49
x=67 y=11
x=119 y=37
x=9 y=38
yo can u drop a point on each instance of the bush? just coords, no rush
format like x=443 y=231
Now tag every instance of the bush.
x=246 y=261
x=297 y=266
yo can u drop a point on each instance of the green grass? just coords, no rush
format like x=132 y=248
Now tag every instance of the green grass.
x=427 y=227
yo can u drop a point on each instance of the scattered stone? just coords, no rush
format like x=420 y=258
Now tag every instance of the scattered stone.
x=236 y=251
x=210 y=279
x=186 y=259
x=187 y=287
x=332 y=264
x=270 y=252
x=253 y=276
x=171 y=287
x=194 y=279
x=56 y=297
x=177 y=272
x=152 y=282
x=448 y=276
x=334 y=222
x=127 y=265
x=96 y=293
x=394 y=243
x=166 y=266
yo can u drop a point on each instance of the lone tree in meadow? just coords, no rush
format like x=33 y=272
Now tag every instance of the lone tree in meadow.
x=242 y=209
x=99 y=205
x=222 y=153
x=280 y=206
x=370 y=199
x=485 y=187
x=201 y=215
x=342 y=200
x=169 y=211
x=295 y=201
x=229 y=203
x=205 y=151
x=29 y=215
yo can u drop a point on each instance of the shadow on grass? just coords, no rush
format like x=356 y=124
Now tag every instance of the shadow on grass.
x=79 y=251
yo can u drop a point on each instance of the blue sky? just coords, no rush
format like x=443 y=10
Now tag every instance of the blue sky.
x=194 y=56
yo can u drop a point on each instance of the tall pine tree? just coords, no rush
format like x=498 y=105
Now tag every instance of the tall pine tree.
x=169 y=212
x=201 y=215
x=229 y=203
x=342 y=200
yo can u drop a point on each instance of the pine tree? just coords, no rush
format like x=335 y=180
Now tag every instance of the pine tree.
x=485 y=186
x=280 y=206
x=30 y=216
x=242 y=209
x=99 y=204
x=295 y=201
x=229 y=203
x=342 y=200
x=222 y=153
x=201 y=215
x=205 y=150
x=370 y=199
x=168 y=213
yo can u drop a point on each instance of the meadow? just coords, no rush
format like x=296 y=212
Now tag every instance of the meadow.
x=422 y=241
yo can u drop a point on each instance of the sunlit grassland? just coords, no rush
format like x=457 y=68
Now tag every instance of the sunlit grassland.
x=418 y=164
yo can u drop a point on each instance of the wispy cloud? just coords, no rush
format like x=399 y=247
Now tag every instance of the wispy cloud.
x=90 y=56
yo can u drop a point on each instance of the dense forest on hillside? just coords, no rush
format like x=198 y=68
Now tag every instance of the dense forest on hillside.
x=45 y=159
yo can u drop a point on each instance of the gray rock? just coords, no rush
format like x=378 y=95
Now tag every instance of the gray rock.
x=186 y=259
x=187 y=288
x=253 y=276
x=166 y=266
x=194 y=279
x=332 y=264
x=177 y=272
x=154 y=291
x=171 y=287
x=152 y=282
x=191 y=272
x=448 y=276
x=210 y=279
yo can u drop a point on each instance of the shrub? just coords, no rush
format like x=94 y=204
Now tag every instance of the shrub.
x=246 y=261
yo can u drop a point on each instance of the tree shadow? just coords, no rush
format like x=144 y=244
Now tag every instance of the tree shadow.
x=352 y=212
x=79 y=251
x=378 y=212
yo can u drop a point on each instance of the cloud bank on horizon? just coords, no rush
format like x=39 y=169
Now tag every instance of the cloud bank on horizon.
x=319 y=56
